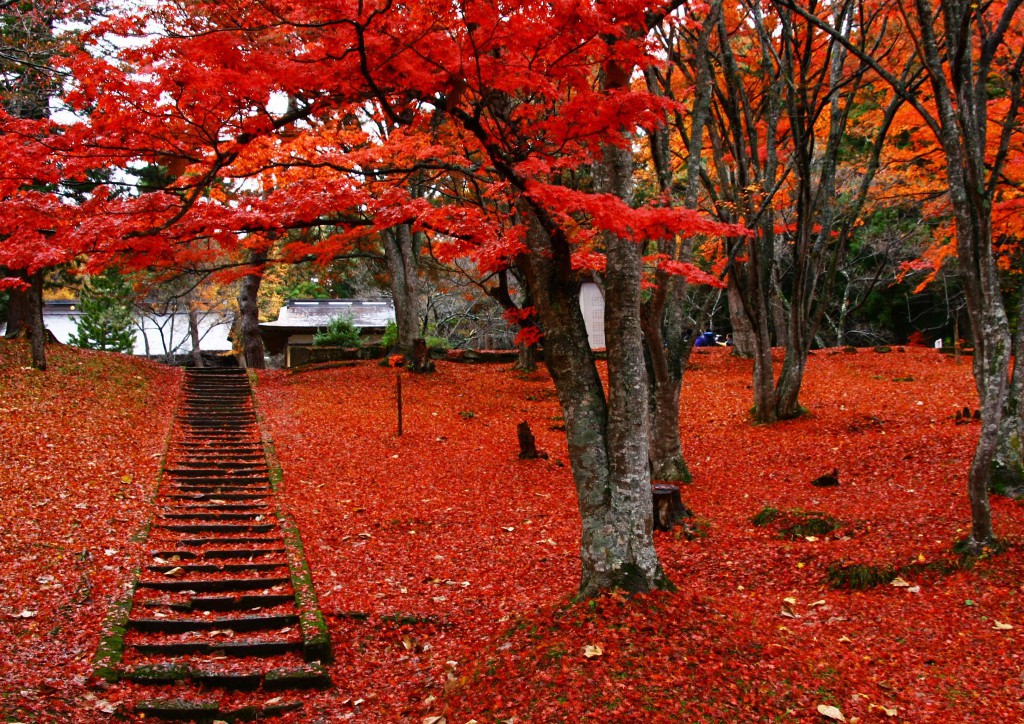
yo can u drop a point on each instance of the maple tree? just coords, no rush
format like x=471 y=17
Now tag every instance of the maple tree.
x=960 y=47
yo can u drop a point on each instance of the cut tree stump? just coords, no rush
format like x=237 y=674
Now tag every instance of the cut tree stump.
x=528 y=443
x=420 y=361
x=668 y=506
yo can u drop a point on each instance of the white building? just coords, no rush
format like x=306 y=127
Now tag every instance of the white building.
x=161 y=335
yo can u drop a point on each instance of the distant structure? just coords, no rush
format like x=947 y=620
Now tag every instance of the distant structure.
x=290 y=337
x=156 y=335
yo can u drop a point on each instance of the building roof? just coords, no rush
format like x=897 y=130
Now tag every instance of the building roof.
x=317 y=313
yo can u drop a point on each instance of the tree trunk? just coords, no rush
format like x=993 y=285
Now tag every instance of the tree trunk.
x=193 y=334
x=527 y=360
x=19 y=311
x=401 y=250
x=779 y=313
x=787 y=389
x=617 y=549
x=1008 y=464
x=37 y=330
x=249 y=314
x=743 y=338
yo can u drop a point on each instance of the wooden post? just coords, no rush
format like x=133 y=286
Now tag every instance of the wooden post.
x=398 y=396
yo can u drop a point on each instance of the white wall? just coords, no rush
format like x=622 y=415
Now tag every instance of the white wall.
x=166 y=333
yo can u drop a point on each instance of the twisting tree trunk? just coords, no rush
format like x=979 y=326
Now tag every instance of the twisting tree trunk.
x=662 y=315
x=249 y=313
x=617 y=548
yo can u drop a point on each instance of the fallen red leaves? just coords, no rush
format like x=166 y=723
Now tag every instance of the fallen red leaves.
x=79 y=453
x=463 y=558
x=445 y=565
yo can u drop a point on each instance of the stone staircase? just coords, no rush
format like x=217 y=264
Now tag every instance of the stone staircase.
x=223 y=603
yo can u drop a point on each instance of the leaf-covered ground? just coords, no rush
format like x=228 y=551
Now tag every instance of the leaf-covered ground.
x=79 y=453
x=445 y=565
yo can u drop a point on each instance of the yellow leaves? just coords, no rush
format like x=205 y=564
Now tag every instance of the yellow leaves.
x=592 y=651
x=998 y=626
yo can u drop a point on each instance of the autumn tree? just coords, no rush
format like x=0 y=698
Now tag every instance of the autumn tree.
x=523 y=98
x=963 y=49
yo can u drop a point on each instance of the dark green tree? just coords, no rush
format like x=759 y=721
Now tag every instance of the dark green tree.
x=106 y=321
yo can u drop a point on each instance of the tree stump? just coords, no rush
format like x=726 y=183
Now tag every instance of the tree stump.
x=420 y=361
x=668 y=506
x=528 y=443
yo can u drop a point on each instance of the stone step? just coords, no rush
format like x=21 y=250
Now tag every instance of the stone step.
x=252 y=553
x=219 y=528
x=240 y=540
x=229 y=646
x=187 y=568
x=210 y=623
x=221 y=515
x=247 y=677
x=215 y=585
x=228 y=495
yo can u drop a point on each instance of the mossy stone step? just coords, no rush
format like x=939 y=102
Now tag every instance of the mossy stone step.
x=215 y=567
x=242 y=554
x=210 y=623
x=220 y=528
x=179 y=709
x=240 y=603
x=246 y=602
x=222 y=584
x=212 y=496
x=196 y=542
x=229 y=647
x=222 y=515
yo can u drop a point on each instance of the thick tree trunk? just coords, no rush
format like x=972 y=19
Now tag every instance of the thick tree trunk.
x=779 y=313
x=37 y=330
x=787 y=389
x=249 y=314
x=401 y=250
x=1008 y=463
x=193 y=334
x=743 y=338
x=614 y=499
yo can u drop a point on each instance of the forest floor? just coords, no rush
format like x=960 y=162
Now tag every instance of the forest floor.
x=446 y=566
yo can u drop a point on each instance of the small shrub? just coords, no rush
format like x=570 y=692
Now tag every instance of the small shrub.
x=340 y=332
x=438 y=343
x=390 y=336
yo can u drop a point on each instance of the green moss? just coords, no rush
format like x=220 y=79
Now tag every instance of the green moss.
x=409 y=619
x=766 y=516
x=316 y=639
x=858 y=576
x=809 y=524
x=159 y=673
